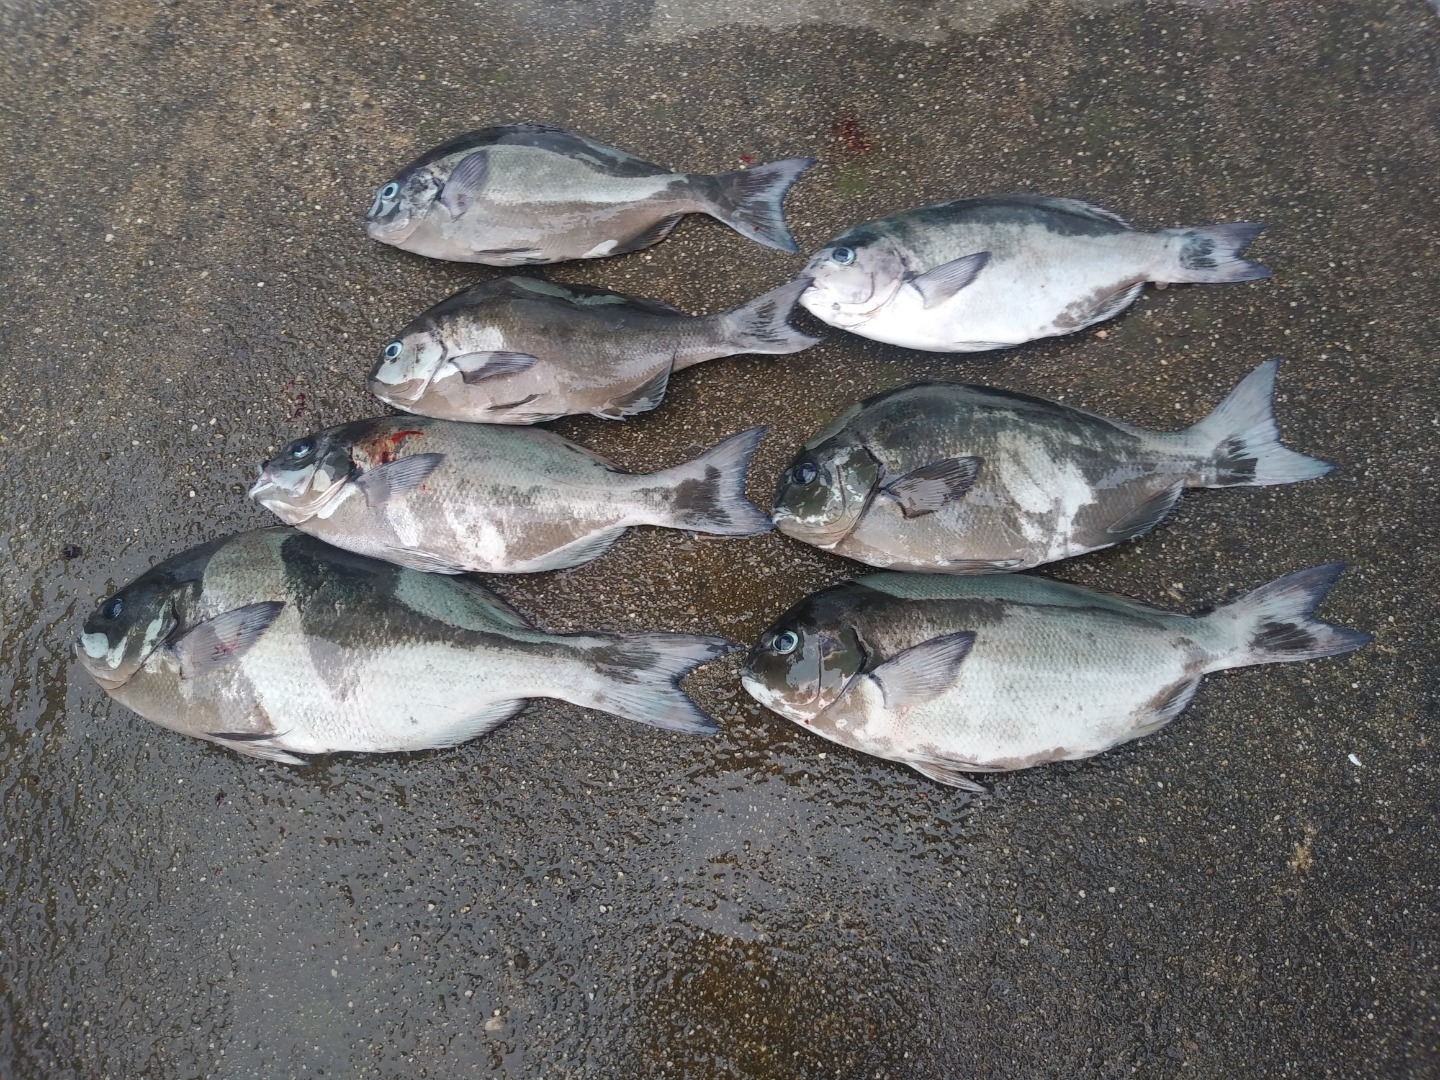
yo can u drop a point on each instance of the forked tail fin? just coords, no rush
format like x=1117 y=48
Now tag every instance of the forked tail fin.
x=639 y=678
x=1211 y=253
x=761 y=326
x=708 y=494
x=1239 y=444
x=749 y=200
x=1275 y=623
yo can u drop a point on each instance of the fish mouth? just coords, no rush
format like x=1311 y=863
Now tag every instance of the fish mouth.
x=103 y=675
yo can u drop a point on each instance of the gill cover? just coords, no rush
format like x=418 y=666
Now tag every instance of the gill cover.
x=853 y=277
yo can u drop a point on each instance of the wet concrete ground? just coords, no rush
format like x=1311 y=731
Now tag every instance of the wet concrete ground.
x=1250 y=892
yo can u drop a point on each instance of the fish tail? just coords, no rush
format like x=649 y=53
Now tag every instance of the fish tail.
x=761 y=327
x=1275 y=624
x=1210 y=253
x=749 y=200
x=1239 y=443
x=708 y=494
x=639 y=678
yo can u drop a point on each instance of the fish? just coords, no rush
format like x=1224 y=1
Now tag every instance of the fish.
x=450 y=498
x=526 y=193
x=277 y=645
x=520 y=350
x=966 y=479
x=955 y=675
x=994 y=272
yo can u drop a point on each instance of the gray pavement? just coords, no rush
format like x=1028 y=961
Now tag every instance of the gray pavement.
x=1250 y=892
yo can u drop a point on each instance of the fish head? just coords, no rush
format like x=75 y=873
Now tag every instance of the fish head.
x=823 y=494
x=400 y=205
x=853 y=277
x=806 y=660
x=406 y=367
x=305 y=476
x=127 y=628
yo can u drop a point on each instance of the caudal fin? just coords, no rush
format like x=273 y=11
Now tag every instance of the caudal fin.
x=749 y=200
x=1239 y=443
x=1209 y=253
x=639 y=678
x=761 y=327
x=708 y=494
x=1274 y=624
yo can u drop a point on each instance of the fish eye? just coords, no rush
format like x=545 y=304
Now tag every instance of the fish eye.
x=301 y=449
x=805 y=472
x=113 y=609
x=844 y=256
x=390 y=190
x=393 y=350
x=785 y=642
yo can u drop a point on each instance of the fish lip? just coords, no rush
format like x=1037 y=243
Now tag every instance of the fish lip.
x=101 y=675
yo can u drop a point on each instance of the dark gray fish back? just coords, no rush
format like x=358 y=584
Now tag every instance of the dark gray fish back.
x=607 y=159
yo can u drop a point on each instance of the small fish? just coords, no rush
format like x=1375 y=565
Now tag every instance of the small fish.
x=972 y=480
x=989 y=273
x=533 y=193
x=521 y=351
x=277 y=645
x=449 y=498
x=957 y=675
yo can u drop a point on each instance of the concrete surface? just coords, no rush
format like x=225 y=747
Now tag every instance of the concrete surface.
x=186 y=286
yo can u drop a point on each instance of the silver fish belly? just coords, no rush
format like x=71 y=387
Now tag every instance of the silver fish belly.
x=449 y=498
x=522 y=351
x=957 y=675
x=994 y=272
x=277 y=645
x=533 y=193
x=969 y=479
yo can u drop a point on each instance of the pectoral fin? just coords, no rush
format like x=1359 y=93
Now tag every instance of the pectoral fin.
x=397 y=478
x=224 y=639
x=464 y=183
x=928 y=488
x=483 y=365
x=923 y=671
x=947 y=279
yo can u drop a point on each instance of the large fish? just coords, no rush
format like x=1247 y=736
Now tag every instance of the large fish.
x=449 y=498
x=956 y=675
x=989 y=273
x=520 y=350
x=278 y=645
x=970 y=480
x=532 y=193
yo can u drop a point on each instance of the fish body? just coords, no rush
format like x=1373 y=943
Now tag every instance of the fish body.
x=954 y=675
x=278 y=645
x=521 y=350
x=993 y=272
x=968 y=479
x=532 y=193
x=449 y=498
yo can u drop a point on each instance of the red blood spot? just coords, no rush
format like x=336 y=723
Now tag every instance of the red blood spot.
x=385 y=447
x=288 y=387
x=299 y=410
x=747 y=159
x=848 y=130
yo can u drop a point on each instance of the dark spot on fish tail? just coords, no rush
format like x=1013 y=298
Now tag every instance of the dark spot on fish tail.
x=625 y=662
x=1234 y=462
x=1195 y=255
x=1283 y=637
x=702 y=495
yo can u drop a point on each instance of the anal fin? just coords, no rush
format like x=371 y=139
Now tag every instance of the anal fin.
x=642 y=399
x=951 y=773
x=1141 y=519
